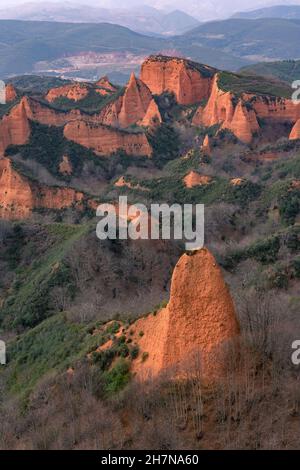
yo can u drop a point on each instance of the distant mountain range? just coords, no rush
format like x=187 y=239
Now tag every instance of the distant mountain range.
x=250 y=40
x=278 y=11
x=142 y=19
x=86 y=50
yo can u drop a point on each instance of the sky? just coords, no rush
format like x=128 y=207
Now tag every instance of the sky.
x=198 y=8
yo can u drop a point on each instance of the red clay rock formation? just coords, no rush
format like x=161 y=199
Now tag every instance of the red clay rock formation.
x=16 y=198
x=182 y=77
x=121 y=183
x=57 y=198
x=152 y=117
x=14 y=127
x=135 y=103
x=193 y=179
x=105 y=87
x=136 y=106
x=295 y=133
x=65 y=166
x=36 y=111
x=109 y=115
x=244 y=123
x=107 y=140
x=10 y=93
x=19 y=195
x=206 y=147
x=199 y=319
x=75 y=92
x=270 y=107
x=237 y=181
x=220 y=109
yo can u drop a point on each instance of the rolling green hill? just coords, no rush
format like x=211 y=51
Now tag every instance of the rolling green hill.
x=286 y=70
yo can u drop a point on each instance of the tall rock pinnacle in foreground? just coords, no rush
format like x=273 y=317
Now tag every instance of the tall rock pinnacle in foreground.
x=199 y=319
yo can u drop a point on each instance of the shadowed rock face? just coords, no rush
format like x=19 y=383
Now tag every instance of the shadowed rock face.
x=199 y=319
x=178 y=76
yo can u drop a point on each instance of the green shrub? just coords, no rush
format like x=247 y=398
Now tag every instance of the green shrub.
x=103 y=358
x=116 y=378
x=145 y=356
x=165 y=143
x=134 y=352
x=296 y=267
x=289 y=206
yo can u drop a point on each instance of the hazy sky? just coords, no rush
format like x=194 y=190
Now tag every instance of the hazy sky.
x=196 y=7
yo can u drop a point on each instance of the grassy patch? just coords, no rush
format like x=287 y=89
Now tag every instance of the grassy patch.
x=52 y=346
x=239 y=84
x=117 y=378
x=28 y=302
x=5 y=108
x=91 y=104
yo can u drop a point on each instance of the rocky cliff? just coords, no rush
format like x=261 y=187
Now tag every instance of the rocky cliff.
x=16 y=198
x=189 y=82
x=135 y=106
x=193 y=179
x=74 y=91
x=271 y=107
x=105 y=87
x=206 y=147
x=40 y=112
x=106 y=140
x=135 y=103
x=20 y=195
x=198 y=321
x=94 y=134
x=240 y=113
x=152 y=117
x=10 y=93
x=295 y=133
x=223 y=108
x=14 y=127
